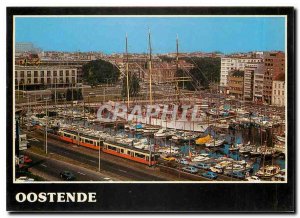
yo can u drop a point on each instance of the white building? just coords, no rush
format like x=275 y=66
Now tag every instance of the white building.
x=45 y=75
x=278 y=93
x=233 y=63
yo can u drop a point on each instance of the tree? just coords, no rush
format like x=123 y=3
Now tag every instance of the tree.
x=100 y=71
x=134 y=86
x=69 y=95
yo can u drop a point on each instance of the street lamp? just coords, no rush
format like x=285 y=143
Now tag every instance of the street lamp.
x=46 y=128
x=99 y=164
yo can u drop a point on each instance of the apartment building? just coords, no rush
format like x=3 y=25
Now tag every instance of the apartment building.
x=236 y=83
x=234 y=63
x=258 y=83
x=274 y=67
x=278 y=93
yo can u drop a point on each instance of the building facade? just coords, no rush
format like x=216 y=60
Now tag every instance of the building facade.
x=234 y=63
x=258 y=83
x=37 y=76
x=236 y=84
x=278 y=91
x=274 y=67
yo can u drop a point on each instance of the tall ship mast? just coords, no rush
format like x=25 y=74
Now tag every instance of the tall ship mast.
x=150 y=69
x=127 y=74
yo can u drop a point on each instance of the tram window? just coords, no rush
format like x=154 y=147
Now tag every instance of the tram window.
x=128 y=152
x=140 y=155
x=122 y=151
x=111 y=148
x=147 y=158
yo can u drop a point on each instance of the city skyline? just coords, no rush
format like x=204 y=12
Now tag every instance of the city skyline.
x=202 y=34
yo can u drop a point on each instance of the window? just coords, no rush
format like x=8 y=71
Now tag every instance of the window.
x=42 y=80
x=22 y=74
x=282 y=92
x=48 y=73
x=140 y=155
x=111 y=148
x=42 y=73
x=55 y=73
x=67 y=73
x=28 y=73
x=35 y=74
x=61 y=73
x=73 y=72
x=36 y=80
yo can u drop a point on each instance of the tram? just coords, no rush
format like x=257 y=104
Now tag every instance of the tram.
x=113 y=148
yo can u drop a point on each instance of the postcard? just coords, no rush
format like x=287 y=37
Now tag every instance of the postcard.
x=150 y=109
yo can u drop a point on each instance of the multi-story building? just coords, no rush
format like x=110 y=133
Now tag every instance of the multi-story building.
x=278 y=93
x=236 y=83
x=234 y=63
x=251 y=69
x=32 y=77
x=258 y=83
x=274 y=66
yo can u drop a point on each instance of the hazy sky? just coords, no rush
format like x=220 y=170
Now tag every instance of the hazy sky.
x=107 y=34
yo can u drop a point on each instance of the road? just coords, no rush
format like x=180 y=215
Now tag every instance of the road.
x=70 y=151
x=122 y=168
x=50 y=169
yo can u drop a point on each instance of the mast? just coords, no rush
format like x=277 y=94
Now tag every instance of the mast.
x=177 y=85
x=150 y=68
x=127 y=74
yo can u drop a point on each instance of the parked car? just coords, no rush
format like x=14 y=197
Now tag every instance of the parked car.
x=210 y=175
x=216 y=169
x=27 y=159
x=253 y=179
x=24 y=179
x=169 y=158
x=190 y=169
x=204 y=166
x=182 y=161
x=67 y=175
x=238 y=174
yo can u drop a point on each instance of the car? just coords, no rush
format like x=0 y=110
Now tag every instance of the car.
x=27 y=159
x=67 y=175
x=182 y=161
x=204 y=166
x=253 y=179
x=238 y=175
x=169 y=158
x=216 y=169
x=210 y=175
x=190 y=169
x=24 y=179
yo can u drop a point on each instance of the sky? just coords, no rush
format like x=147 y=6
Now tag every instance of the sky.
x=107 y=34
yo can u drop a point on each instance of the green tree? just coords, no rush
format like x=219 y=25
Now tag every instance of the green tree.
x=69 y=95
x=100 y=71
x=134 y=86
